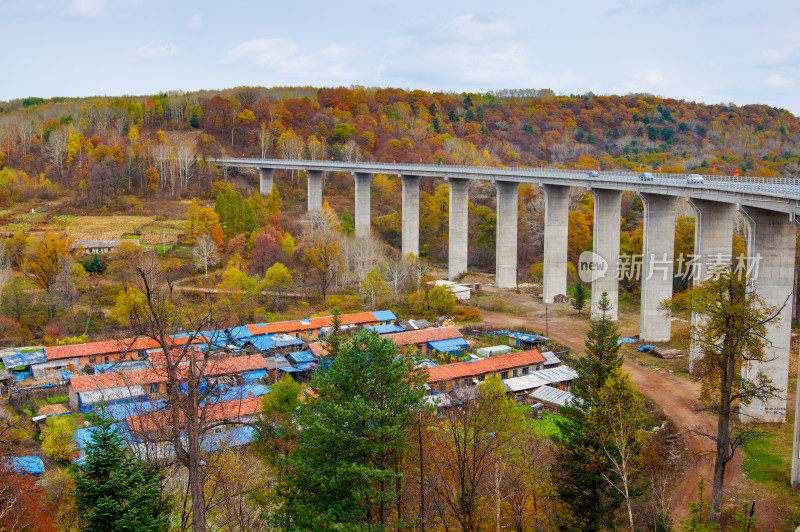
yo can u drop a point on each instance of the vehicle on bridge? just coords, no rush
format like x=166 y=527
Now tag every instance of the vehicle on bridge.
x=645 y=176
x=694 y=179
x=594 y=173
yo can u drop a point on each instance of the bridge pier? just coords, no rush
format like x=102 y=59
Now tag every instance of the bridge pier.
x=265 y=180
x=362 y=204
x=410 y=235
x=506 y=252
x=713 y=237
x=771 y=242
x=556 y=236
x=605 y=236
x=314 y=179
x=459 y=227
x=658 y=250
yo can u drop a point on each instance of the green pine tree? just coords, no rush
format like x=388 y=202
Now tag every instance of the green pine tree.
x=114 y=491
x=579 y=481
x=348 y=224
x=578 y=297
x=351 y=437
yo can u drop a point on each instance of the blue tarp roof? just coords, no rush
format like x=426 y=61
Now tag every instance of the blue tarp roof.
x=384 y=315
x=301 y=356
x=453 y=345
x=238 y=334
x=287 y=340
x=242 y=392
x=646 y=348
x=231 y=438
x=386 y=328
x=530 y=338
x=305 y=366
x=626 y=341
x=123 y=410
x=121 y=366
x=290 y=369
x=23 y=359
x=254 y=376
x=31 y=465
x=261 y=343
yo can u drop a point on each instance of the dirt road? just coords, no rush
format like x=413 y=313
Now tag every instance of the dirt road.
x=675 y=396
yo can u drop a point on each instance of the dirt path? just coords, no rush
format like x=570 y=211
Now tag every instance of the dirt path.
x=675 y=396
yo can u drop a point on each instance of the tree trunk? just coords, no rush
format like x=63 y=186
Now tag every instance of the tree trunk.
x=421 y=480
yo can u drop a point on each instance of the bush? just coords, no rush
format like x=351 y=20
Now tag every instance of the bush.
x=466 y=314
x=57 y=440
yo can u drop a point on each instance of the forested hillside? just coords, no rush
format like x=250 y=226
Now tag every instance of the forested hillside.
x=110 y=153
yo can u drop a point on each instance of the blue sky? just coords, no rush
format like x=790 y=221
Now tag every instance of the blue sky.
x=706 y=50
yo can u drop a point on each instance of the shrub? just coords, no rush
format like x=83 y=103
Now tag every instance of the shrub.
x=57 y=440
x=57 y=399
x=466 y=314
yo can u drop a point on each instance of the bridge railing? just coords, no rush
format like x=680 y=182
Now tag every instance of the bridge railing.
x=778 y=185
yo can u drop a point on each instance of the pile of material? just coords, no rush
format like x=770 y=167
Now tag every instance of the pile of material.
x=662 y=352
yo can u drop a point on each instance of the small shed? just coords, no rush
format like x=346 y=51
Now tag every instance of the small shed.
x=560 y=376
x=553 y=398
x=453 y=346
x=20 y=363
x=523 y=384
x=494 y=350
x=550 y=360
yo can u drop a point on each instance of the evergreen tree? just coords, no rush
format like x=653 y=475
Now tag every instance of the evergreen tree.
x=578 y=297
x=115 y=491
x=581 y=482
x=94 y=264
x=351 y=437
x=348 y=224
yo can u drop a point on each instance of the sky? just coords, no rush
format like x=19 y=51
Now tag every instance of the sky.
x=712 y=51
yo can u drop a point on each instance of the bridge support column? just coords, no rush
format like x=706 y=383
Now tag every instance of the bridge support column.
x=363 y=195
x=771 y=243
x=410 y=214
x=556 y=236
x=265 y=180
x=459 y=226
x=314 y=178
x=506 y=252
x=607 y=206
x=713 y=237
x=658 y=250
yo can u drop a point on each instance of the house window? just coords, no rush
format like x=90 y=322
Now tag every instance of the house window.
x=154 y=388
x=481 y=378
x=122 y=357
x=458 y=384
x=504 y=375
x=466 y=382
x=107 y=359
x=142 y=354
x=525 y=370
x=92 y=360
x=515 y=373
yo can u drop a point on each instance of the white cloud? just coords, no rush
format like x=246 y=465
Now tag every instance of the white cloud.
x=776 y=80
x=195 y=21
x=156 y=50
x=652 y=77
x=284 y=57
x=87 y=9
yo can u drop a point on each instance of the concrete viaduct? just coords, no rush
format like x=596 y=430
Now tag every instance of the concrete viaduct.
x=771 y=207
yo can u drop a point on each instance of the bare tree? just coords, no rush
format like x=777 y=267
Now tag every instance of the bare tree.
x=205 y=253
x=188 y=380
x=5 y=270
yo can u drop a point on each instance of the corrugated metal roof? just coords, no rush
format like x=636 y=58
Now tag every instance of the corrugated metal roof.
x=386 y=328
x=301 y=356
x=384 y=315
x=550 y=359
x=276 y=362
x=525 y=382
x=559 y=374
x=554 y=396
